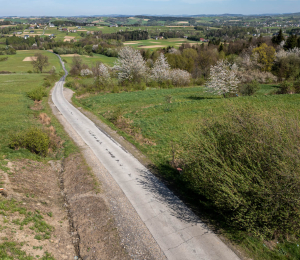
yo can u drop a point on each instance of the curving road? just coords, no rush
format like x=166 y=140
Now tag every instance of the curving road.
x=177 y=230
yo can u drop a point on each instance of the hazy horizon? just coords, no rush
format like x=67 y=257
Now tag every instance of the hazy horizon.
x=149 y=7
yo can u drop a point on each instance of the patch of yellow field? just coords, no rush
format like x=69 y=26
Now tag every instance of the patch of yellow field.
x=30 y=58
x=183 y=22
x=152 y=46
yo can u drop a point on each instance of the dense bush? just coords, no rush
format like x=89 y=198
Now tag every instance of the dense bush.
x=37 y=93
x=286 y=88
x=34 y=139
x=248 y=170
x=249 y=89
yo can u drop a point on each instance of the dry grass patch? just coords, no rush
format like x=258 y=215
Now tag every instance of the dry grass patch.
x=152 y=46
x=45 y=119
x=130 y=43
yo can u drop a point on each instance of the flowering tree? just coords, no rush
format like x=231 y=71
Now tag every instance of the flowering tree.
x=130 y=64
x=222 y=79
x=161 y=69
x=103 y=71
x=266 y=56
x=180 y=77
x=86 y=72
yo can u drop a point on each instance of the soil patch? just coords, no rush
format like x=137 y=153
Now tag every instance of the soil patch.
x=30 y=58
x=91 y=217
x=82 y=30
x=183 y=22
x=69 y=37
x=33 y=186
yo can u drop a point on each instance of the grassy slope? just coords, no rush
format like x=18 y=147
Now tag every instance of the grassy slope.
x=163 y=123
x=166 y=123
x=16 y=114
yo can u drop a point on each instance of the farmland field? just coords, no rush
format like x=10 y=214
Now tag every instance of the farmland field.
x=15 y=63
x=89 y=60
x=163 y=43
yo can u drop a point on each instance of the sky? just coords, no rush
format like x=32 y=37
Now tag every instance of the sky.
x=138 y=7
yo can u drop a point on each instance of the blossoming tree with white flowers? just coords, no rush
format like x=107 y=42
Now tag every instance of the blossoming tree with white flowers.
x=223 y=78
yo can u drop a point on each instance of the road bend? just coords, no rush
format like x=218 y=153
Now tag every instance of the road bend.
x=177 y=230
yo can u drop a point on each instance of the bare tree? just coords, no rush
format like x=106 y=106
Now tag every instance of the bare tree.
x=39 y=62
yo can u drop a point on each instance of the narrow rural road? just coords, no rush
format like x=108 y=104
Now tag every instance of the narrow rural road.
x=177 y=230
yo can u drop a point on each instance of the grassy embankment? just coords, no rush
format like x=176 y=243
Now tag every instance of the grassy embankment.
x=156 y=121
x=16 y=116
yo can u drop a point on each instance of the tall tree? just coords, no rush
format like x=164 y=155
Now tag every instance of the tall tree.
x=291 y=42
x=39 y=62
x=265 y=56
x=278 y=38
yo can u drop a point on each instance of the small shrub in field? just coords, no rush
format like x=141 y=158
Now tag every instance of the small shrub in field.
x=37 y=94
x=46 y=84
x=297 y=87
x=249 y=89
x=286 y=88
x=199 y=81
x=69 y=84
x=247 y=167
x=4 y=59
x=34 y=139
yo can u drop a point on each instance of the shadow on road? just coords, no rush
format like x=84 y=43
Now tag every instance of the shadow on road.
x=163 y=194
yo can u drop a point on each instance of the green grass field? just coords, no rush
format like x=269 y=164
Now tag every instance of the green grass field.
x=15 y=63
x=158 y=126
x=90 y=61
x=155 y=44
x=16 y=114
x=164 y=123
